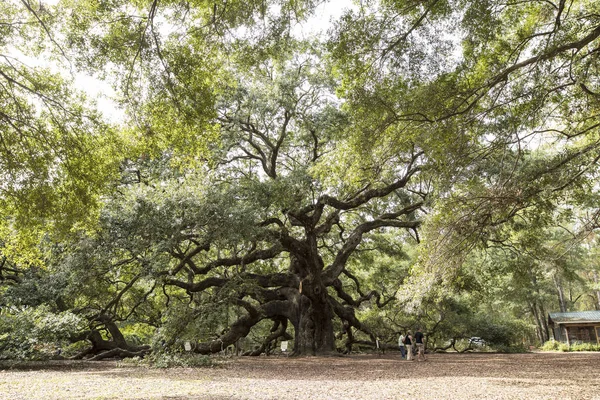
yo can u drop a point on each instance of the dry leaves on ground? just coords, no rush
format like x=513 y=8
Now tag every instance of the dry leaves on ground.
x=443 y=376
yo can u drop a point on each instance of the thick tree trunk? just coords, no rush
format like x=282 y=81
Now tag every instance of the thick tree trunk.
x=350 y=339
x=314 y=327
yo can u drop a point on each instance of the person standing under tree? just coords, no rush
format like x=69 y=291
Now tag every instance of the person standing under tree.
x=420 y=345
x=401 y=345
x=408 y=344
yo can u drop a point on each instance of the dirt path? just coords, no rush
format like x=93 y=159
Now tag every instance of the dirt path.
x=443 y=376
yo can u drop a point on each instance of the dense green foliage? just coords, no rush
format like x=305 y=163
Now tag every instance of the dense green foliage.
x=429 y=163
x=553 y=345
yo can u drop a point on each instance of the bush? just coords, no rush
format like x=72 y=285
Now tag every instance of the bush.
x=138 y=334
x=553 y=345
x=585 y=347
x=36 y=333
x=563 y=347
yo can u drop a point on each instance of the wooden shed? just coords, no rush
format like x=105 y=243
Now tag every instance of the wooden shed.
x=575 y=327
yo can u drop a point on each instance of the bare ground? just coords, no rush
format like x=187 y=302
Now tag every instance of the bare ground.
x=443 y=376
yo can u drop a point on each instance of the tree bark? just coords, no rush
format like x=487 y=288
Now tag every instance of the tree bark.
x=562 y=302
x=117 y=347
x=239 y=329
x=314 y=327
x=538 y=323
x=452 y=343
x=544 y=320
x=278 y=330
x=118 y=352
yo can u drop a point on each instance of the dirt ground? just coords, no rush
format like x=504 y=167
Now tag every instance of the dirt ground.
x=442 y=376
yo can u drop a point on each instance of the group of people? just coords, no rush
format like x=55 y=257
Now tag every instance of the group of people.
x=406 y=345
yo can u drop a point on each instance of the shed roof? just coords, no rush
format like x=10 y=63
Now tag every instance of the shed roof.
x=574 y=317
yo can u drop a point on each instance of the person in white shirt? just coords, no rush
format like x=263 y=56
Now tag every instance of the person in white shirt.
x=401 y=345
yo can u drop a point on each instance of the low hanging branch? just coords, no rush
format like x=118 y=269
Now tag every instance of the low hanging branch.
x=116 y=347
x=347 y=314
x=239 y=329
x=452 y=344
x=119 y=353
x=277 y=331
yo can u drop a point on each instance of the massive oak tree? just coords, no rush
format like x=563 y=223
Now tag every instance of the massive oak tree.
x=296 y=198
x=270 y=226
x=258 y=166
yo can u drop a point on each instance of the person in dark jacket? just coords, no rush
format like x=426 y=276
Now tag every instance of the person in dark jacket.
x=420 y=345
x=408 y=343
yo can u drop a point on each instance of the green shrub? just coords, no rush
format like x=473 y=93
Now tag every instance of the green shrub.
x=563 y=347
x=138 y=334
x=35 y=333
x=551 y=345
x=585 y=347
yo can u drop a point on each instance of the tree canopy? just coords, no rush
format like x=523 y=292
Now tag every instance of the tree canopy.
x=418 y=164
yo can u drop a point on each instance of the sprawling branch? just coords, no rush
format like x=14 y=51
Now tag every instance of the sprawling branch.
x=13 y=273
x=503 y=75
x=198 y=286
x=277 y=147
x=267 y=152
x=238 y=330
x=577 y=45
x=249 y=258
x=335 y=269
x=406 y=34
x=337 y=285
x=186 y=259
x=332 y=219
x=355 y=279
x=102 y=348
x=368 y=195
x=45 y=27
x=278 y=330
x=347 y=314
x=114 y=303
x=274 y=280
